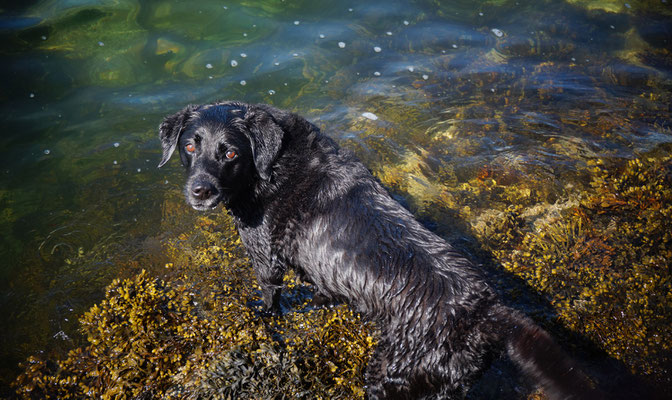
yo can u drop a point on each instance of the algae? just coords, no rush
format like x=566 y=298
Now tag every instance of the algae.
x=200 y=333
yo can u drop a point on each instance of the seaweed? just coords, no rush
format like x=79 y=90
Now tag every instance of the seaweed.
x=604 y=264
x=200 y=333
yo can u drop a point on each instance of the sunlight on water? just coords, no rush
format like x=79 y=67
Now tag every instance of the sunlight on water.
x=539 y=87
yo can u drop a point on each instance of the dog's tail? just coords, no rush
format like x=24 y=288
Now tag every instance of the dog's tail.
x=539 y=357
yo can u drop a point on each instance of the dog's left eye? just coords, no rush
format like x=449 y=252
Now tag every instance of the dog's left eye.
x=190 y=147
x=230 y=154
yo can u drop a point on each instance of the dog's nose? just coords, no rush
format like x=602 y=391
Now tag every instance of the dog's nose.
x=202 y=190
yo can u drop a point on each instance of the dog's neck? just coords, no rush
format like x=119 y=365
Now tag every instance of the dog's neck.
x=246 y=209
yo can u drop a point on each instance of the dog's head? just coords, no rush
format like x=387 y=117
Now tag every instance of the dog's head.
x=227 y=147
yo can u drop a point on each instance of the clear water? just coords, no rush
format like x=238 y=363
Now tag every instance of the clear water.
x=85 y=84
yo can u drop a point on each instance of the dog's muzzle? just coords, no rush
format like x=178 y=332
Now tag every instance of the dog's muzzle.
x=203 y=195
x=203 y=190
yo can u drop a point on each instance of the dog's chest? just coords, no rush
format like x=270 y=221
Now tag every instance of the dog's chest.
x=268 y=241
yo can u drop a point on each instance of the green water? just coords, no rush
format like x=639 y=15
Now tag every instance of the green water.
x=545 y=86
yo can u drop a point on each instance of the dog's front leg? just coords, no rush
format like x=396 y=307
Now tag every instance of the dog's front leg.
x=270 y=275
x=269 y=269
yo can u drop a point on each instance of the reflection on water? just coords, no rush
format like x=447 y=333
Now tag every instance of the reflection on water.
x=537 y=86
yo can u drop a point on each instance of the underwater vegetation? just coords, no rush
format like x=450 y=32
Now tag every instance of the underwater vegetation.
x=199 y=334
x=604 y=264
x=599 y=253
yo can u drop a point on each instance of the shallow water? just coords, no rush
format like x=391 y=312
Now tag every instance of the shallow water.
x=540 y=86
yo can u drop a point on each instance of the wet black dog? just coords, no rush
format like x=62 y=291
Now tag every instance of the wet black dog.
x=300 y=202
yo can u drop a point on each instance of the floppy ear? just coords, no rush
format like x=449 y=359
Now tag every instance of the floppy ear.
x=170 y=130
x=265 y=135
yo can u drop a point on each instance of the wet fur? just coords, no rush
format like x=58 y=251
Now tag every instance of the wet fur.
x=299 y=201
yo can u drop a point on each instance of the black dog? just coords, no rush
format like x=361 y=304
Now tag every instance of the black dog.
x=299 y=201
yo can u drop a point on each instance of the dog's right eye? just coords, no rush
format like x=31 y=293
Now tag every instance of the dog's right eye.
x=190 y=147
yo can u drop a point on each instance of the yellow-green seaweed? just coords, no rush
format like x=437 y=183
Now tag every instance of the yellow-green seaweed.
x=604 y=264
x=200 y=334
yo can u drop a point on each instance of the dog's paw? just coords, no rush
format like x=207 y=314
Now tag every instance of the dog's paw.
x=272 y=311
x=320 y=301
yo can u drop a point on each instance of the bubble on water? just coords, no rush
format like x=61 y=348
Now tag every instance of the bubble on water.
x=612 y=27
x=234 y=63
x=209 y=76
x=243 y=55
x=411 y=69
x=376 y=73
x=454 y=46
x=244 y=34
x=114 y=162
x=47 y=151
x=377 y=49
x=480 y=14
x=271 y=92
x=322 y=36
x=350 y=9
x=101 y=44
x=573 y=59
x=208 y=66
x=276 y=63
x=492 y=90
x=369 y=115
x=497 y=32
x=139 y=169
x=627 y=5
x=295 y=55
x=225 y=7
x=32 y=95
x=297 y=22
x=406 y=22
x=116 y=144
x=286 y=84
x=243 y=83
x=341 y=45
x=388 y=33
x=425 y=76
x=44 y=38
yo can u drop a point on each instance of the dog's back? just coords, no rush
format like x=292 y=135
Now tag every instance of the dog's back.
x=441 y=323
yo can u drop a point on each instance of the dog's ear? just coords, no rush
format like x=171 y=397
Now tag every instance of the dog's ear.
x=265 y=135
x=170 y=130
